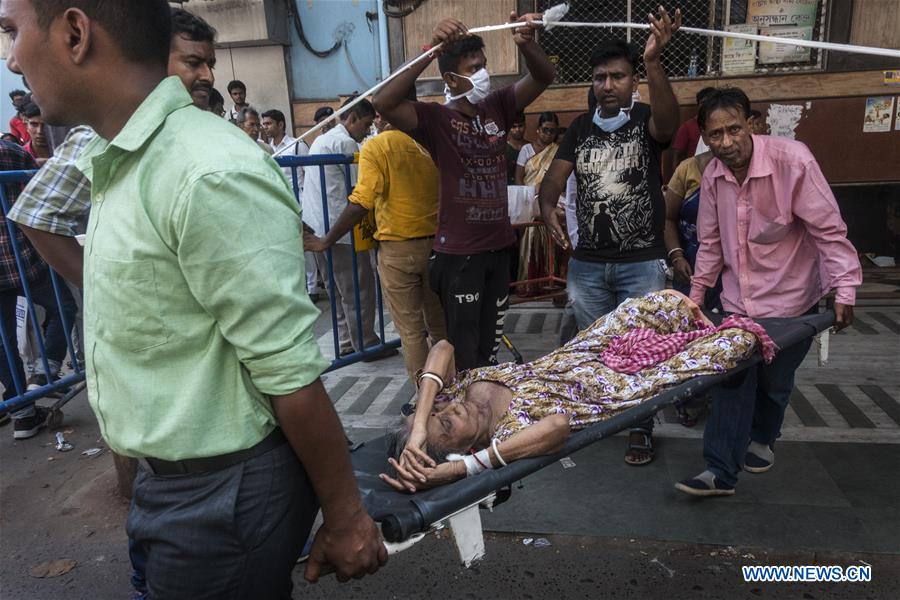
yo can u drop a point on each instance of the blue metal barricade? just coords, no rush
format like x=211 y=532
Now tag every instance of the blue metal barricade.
x=24 y=397
x=320 y=162
x=67 y=384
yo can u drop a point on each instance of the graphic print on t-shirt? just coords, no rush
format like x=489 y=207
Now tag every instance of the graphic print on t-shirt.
x=483 y=180
x=470 y=154
x=614 y=207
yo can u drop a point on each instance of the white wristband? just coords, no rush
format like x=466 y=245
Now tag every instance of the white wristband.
x=478 y=462
x=471 y=465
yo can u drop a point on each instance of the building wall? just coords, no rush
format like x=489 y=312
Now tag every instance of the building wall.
x=262 y=69
x=315 y=78
x=251 y=47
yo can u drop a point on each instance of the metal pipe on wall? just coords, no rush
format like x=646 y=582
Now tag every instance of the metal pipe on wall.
x=384 y=51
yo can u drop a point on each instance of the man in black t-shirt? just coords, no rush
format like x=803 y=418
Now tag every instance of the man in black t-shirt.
x=615 y=154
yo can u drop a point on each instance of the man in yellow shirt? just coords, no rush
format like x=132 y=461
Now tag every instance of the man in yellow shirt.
x=398 y=180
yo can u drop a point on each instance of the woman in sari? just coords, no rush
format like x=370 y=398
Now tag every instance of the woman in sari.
x=535 y=158
x=510 y=411
x=534 y=161
x=682 y=204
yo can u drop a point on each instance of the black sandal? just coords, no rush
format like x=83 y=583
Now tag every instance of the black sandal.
x=646 y=448
x=685 y=417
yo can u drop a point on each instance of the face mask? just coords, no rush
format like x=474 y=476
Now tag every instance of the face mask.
x=481 y=87
x=610 y=124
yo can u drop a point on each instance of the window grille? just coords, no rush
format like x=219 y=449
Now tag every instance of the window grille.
x=688 y=56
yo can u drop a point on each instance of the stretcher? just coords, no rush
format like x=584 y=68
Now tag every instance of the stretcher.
x=406 y=518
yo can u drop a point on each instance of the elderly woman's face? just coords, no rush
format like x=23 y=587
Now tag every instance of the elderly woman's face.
x=456 y=427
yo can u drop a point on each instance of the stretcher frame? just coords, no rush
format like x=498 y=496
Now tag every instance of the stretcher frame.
x=405 y=519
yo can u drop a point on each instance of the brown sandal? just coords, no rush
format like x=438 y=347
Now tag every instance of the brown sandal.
x=646 y=448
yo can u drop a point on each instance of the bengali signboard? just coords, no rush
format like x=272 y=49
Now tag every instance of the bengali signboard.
x=768 y=13
x=739 y=56
x=776 y=54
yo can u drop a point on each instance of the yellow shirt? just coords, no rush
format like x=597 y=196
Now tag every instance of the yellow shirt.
x=686 y=178
x=399 y=180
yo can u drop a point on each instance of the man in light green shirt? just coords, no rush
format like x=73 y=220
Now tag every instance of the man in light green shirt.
x=200 y=355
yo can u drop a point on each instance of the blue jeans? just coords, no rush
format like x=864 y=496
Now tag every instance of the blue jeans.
x=598 y=288
x=54 y=332
x=749 y=407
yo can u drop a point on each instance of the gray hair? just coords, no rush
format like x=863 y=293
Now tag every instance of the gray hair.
x=242 y=115
x=396 y=439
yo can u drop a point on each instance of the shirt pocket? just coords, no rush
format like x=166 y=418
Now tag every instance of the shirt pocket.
x=766 y=230
x=131 y=316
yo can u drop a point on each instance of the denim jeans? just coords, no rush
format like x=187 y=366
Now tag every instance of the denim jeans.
x=138 y=557
x=54 y=331
x=598 y=288
x=749 y=407
x=226 y=535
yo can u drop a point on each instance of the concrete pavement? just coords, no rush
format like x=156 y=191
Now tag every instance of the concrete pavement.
x=832 y=498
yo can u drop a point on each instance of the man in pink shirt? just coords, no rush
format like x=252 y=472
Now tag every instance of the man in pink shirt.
x=769 y=224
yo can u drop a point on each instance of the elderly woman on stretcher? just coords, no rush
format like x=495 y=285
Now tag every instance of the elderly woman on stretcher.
x=484 y=418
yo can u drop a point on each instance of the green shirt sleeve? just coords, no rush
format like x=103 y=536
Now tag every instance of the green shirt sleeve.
x=241 y=253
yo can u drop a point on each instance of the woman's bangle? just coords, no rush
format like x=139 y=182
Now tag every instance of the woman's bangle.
x=673 y=251
x=433 y=377
x=494 y=443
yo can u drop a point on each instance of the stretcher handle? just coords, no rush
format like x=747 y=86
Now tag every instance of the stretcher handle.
x=399 y=528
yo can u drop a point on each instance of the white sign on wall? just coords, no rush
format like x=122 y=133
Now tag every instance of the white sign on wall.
x=766 y=13
x=739 y=56
x=776 y=54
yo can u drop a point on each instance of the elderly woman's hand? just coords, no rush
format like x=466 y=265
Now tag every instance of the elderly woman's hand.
x=414 y=452
x=692 y=306
x=419 y=477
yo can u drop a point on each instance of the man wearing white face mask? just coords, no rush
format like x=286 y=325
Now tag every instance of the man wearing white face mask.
x=466 y=137
x=614 y=152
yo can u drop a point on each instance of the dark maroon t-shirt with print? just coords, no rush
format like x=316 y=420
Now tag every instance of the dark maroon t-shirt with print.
x=470 y=154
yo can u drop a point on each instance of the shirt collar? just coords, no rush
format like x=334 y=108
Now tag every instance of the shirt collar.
x=339 y=129
x=760 y=165
x=170 y=95
x=285 y=142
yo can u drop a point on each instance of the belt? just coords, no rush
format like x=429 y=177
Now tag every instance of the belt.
x=188 y=466
x=412 y=239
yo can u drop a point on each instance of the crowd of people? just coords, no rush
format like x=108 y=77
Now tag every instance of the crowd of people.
x=198 y=317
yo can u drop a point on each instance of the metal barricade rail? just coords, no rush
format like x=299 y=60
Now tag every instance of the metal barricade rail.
x=72 y=384
x=321 y=161
x=550 y=286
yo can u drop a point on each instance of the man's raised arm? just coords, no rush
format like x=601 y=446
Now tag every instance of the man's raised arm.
x=391 y=102
x=541 y=71
x=665 y=116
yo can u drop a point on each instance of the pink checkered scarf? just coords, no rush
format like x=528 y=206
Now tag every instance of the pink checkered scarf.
x=642 y=348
